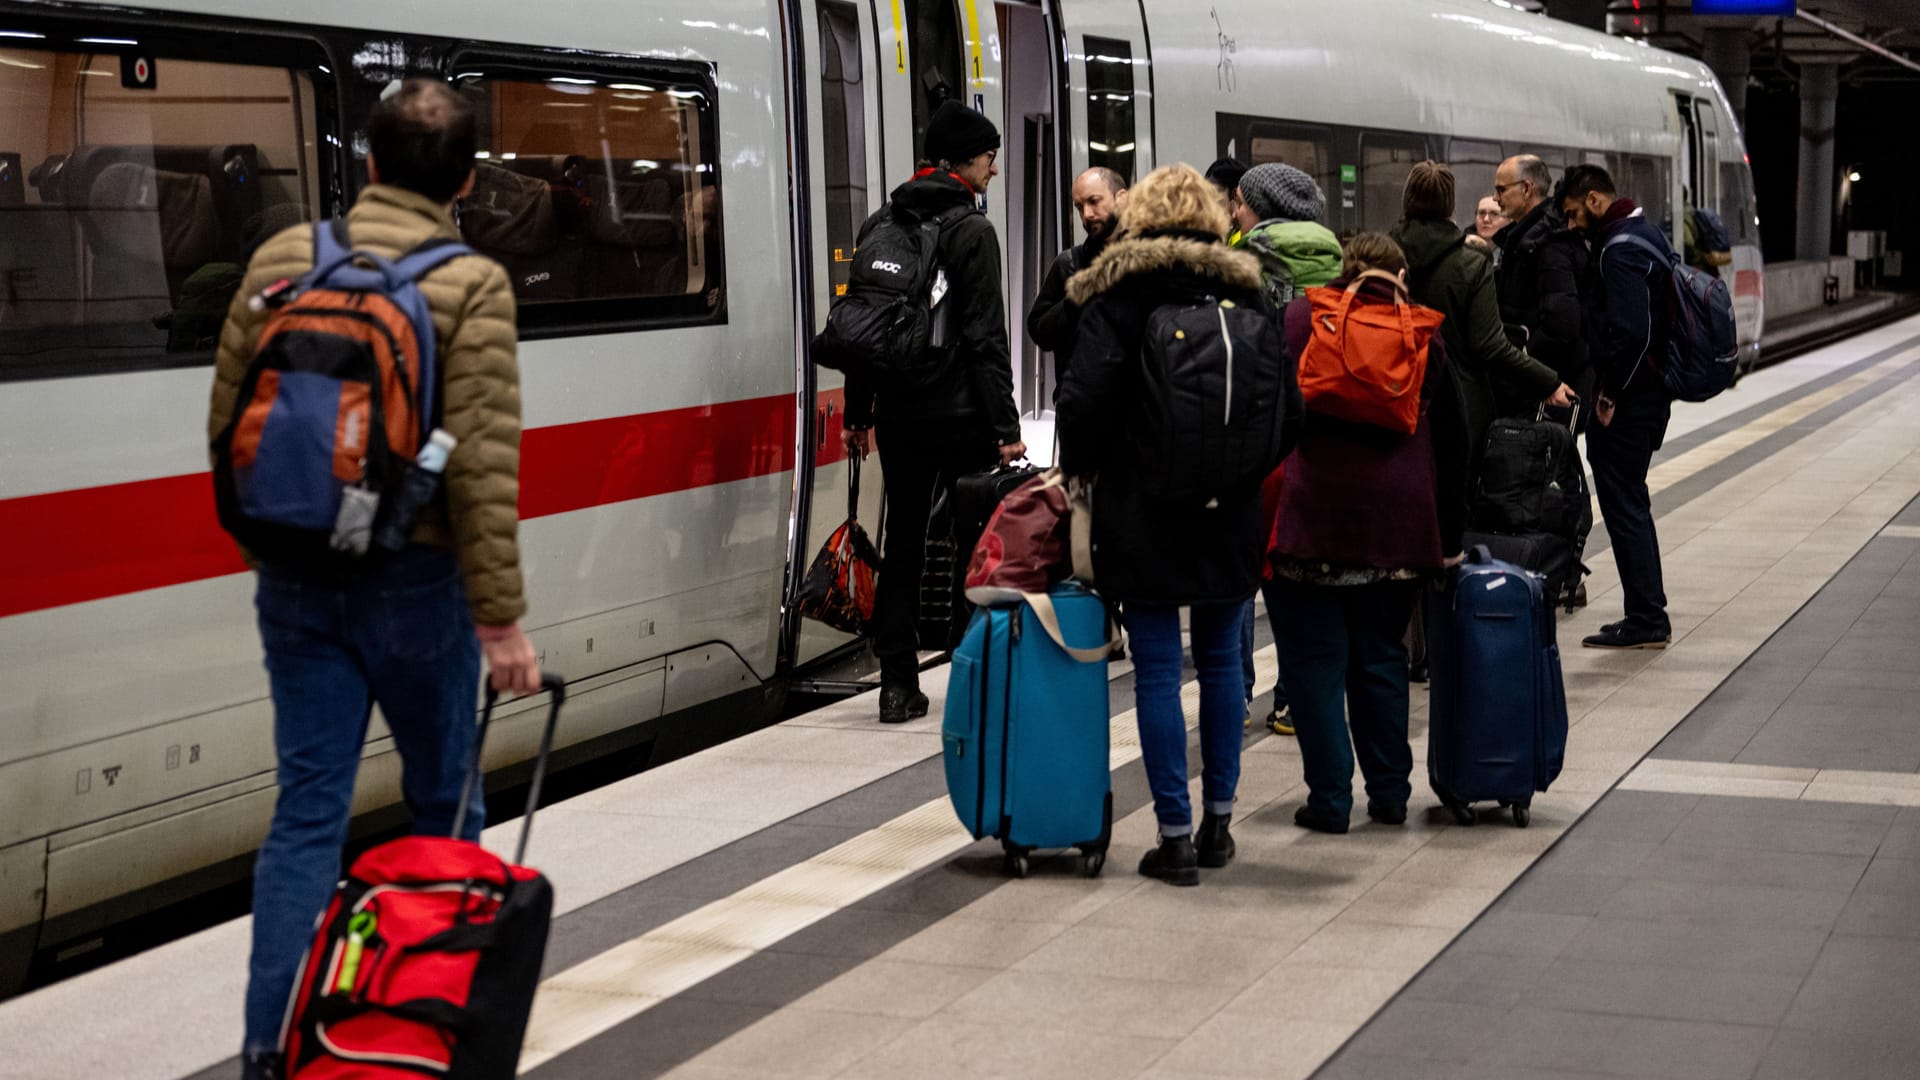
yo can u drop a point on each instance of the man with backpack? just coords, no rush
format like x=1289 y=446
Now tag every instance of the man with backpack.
x=1627 y=319
x=945 y=408
x=1098 y=195
x=345 y=621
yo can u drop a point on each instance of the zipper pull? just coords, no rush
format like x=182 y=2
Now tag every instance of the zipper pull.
x=359 y=930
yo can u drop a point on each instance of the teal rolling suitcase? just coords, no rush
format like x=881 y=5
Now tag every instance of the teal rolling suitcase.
x=1025 y=728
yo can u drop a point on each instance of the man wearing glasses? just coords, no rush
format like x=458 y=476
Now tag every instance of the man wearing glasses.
x=1539 y=276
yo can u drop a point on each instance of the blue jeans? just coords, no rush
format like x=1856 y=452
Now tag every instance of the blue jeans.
x=400 y=636
x=1154 y=633
x=1345 y=662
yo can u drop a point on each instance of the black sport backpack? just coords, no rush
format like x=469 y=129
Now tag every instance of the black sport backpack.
x=882 y=328
x=1703 y=341
x=1212 y=409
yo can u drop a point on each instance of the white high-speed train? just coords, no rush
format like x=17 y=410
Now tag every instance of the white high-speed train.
x=675 y=188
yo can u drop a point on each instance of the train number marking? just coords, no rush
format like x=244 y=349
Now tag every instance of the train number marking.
x=112 y=773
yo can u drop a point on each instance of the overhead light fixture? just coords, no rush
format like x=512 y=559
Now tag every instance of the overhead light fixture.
x=1854 y=176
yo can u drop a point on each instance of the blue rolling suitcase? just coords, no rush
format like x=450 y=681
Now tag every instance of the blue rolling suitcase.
x=1497 y=726
x=1025 y=729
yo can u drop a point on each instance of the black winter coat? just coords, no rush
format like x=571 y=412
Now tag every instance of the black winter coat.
x=1054 y=322
x=1540 y=279
x=1148 y=550
x=1627 y=313
x=977 y=381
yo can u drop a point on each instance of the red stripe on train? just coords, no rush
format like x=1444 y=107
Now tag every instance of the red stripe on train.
x=68 y=547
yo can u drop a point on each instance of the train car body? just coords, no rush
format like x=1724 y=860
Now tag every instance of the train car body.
x=675 y=191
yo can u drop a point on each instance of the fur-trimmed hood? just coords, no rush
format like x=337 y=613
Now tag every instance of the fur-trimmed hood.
x=1130 y=255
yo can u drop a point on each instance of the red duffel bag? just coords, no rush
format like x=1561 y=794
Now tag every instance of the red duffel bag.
x=1041 y=534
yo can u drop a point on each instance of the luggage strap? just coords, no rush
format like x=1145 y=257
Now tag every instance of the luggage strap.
x=439 y=1012
x=1043 y=609
x=1079 y=524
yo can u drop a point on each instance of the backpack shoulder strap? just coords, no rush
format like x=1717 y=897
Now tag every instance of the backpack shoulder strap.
x=430 y=254
x=1643 y=244
x=332 y=248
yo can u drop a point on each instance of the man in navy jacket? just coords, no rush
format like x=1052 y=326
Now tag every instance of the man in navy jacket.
x=1626 y=323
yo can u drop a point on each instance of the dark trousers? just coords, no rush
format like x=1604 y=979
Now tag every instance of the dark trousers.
x=1344 y=662
x=1620 y=453
x=917 y=462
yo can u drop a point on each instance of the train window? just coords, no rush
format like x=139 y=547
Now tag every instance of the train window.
x=1259 y=141
x=1110 y=129
x=938 y=60
x=1647 y=183
x=1736 y=202
x=1473 y=164
x=1385 y=162
x=599 y=193
x=843 y=111
x=142 y=186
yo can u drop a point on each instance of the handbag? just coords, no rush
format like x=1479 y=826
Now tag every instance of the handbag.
x=839 y=587
x=1365 y=362
x=1040 y=534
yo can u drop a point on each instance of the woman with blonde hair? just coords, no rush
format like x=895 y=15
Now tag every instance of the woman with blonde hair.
x=1158 y=553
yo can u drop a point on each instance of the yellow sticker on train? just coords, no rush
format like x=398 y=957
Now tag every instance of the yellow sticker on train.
x=973 y=45
x=899 y=40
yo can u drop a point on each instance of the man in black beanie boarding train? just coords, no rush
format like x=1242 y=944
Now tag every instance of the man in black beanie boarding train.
x=959 y=416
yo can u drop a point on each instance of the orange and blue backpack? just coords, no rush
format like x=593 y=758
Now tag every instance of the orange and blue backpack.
x=337 y=401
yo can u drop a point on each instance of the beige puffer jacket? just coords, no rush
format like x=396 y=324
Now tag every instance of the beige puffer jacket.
x=473 y=316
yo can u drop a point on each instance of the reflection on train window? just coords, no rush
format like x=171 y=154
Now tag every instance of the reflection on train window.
x=933 y=39
x=1736 y=201
x=596 y=191
x=129 y=206
x=843 y=113
x=1647 y=183
x=1110 y=129
x=1473 y=164
x=1385 y=162
x=1260 y=141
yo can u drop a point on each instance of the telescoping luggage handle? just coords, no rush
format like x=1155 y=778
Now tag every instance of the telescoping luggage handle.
x=552 y=684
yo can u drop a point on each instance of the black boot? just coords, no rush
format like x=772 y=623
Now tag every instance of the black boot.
x=899 y=704
x=1213 y=842
x=1387 y=813
x=1173 y=862
x=1311 y=817
x=261 y=1065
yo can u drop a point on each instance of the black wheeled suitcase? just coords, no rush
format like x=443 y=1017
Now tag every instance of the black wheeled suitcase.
x=977 y=495
x=426 y=960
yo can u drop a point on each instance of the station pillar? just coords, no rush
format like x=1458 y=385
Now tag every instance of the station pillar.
x=1591 y=14
x=1729 y=52
x=1819 y=90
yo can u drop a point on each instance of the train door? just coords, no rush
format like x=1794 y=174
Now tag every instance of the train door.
x=844 y=176
x=1706 y=126
x=1035 y=187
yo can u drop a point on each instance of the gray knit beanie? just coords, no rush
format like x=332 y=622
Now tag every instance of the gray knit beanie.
x=1282 y=191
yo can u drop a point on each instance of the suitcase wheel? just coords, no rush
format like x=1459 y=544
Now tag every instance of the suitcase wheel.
x=1093 y=861
x=1464 y=813
x=1014 y=862
x=1522 y=816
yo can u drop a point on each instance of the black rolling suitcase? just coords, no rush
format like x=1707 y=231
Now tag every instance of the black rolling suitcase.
x=1531 y=504
x=976 y=496
x=426 y=959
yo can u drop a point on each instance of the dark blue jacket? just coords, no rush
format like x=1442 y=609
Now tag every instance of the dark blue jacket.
x=1626 y=314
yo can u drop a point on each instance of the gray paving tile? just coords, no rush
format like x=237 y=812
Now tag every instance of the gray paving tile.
x=1189 y=954
x=856 y=932
x=672 y=1032
x=1579 y=853
x=1905 y=677
x=1677 y=860
x=793 y=1042
x=1627 y=1045
x=1550 y=893
x=747 y=860
x=1861 y=984
x=1797 y=1055
x=1481 y=978
x=1899 y=877
x=1080 y=1002
x=1736 y=905
x=1665 y=992
x=1431 y=1030
x=1636 y=815
x=1506 y=932
x=1706 y=947
x=1891 y=915
x=938 y=1048
x=1903 y=836
x=1869 y=754
x=771 y=980
x=1785 y=825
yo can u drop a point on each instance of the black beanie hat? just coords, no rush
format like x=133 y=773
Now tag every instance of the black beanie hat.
x=957 y=134
x=1225 y=174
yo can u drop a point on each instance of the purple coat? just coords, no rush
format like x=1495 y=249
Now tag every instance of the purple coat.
x=1358 y=495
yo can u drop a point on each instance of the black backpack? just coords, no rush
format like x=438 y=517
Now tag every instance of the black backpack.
x=1531 y=503
x=1212 y=408
x=881 y=329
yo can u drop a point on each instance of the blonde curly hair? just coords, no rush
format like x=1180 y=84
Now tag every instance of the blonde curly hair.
x=1173 y=197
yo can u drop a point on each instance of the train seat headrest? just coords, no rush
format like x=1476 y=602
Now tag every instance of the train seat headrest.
x=182 y=203
x=508 y=214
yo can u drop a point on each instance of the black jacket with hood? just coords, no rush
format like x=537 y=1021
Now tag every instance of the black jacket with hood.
x=1148 y=550
x=1627 y=313
x=977 y=381
x=1054 y=321
x=1542 y=269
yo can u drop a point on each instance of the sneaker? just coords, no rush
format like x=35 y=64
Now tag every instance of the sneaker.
x=1280 y=721
x=1319 y=821
x=1213 y=843
x=1246 y=720
x=1174 y=861
x=261 y=1065
x=899 y=704
x=1387 y=813
x=1623 y=635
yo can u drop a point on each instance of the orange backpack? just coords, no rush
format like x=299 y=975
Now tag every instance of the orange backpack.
x=1366 y=362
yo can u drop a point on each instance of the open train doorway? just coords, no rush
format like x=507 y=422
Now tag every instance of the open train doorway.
x=1034 y=181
